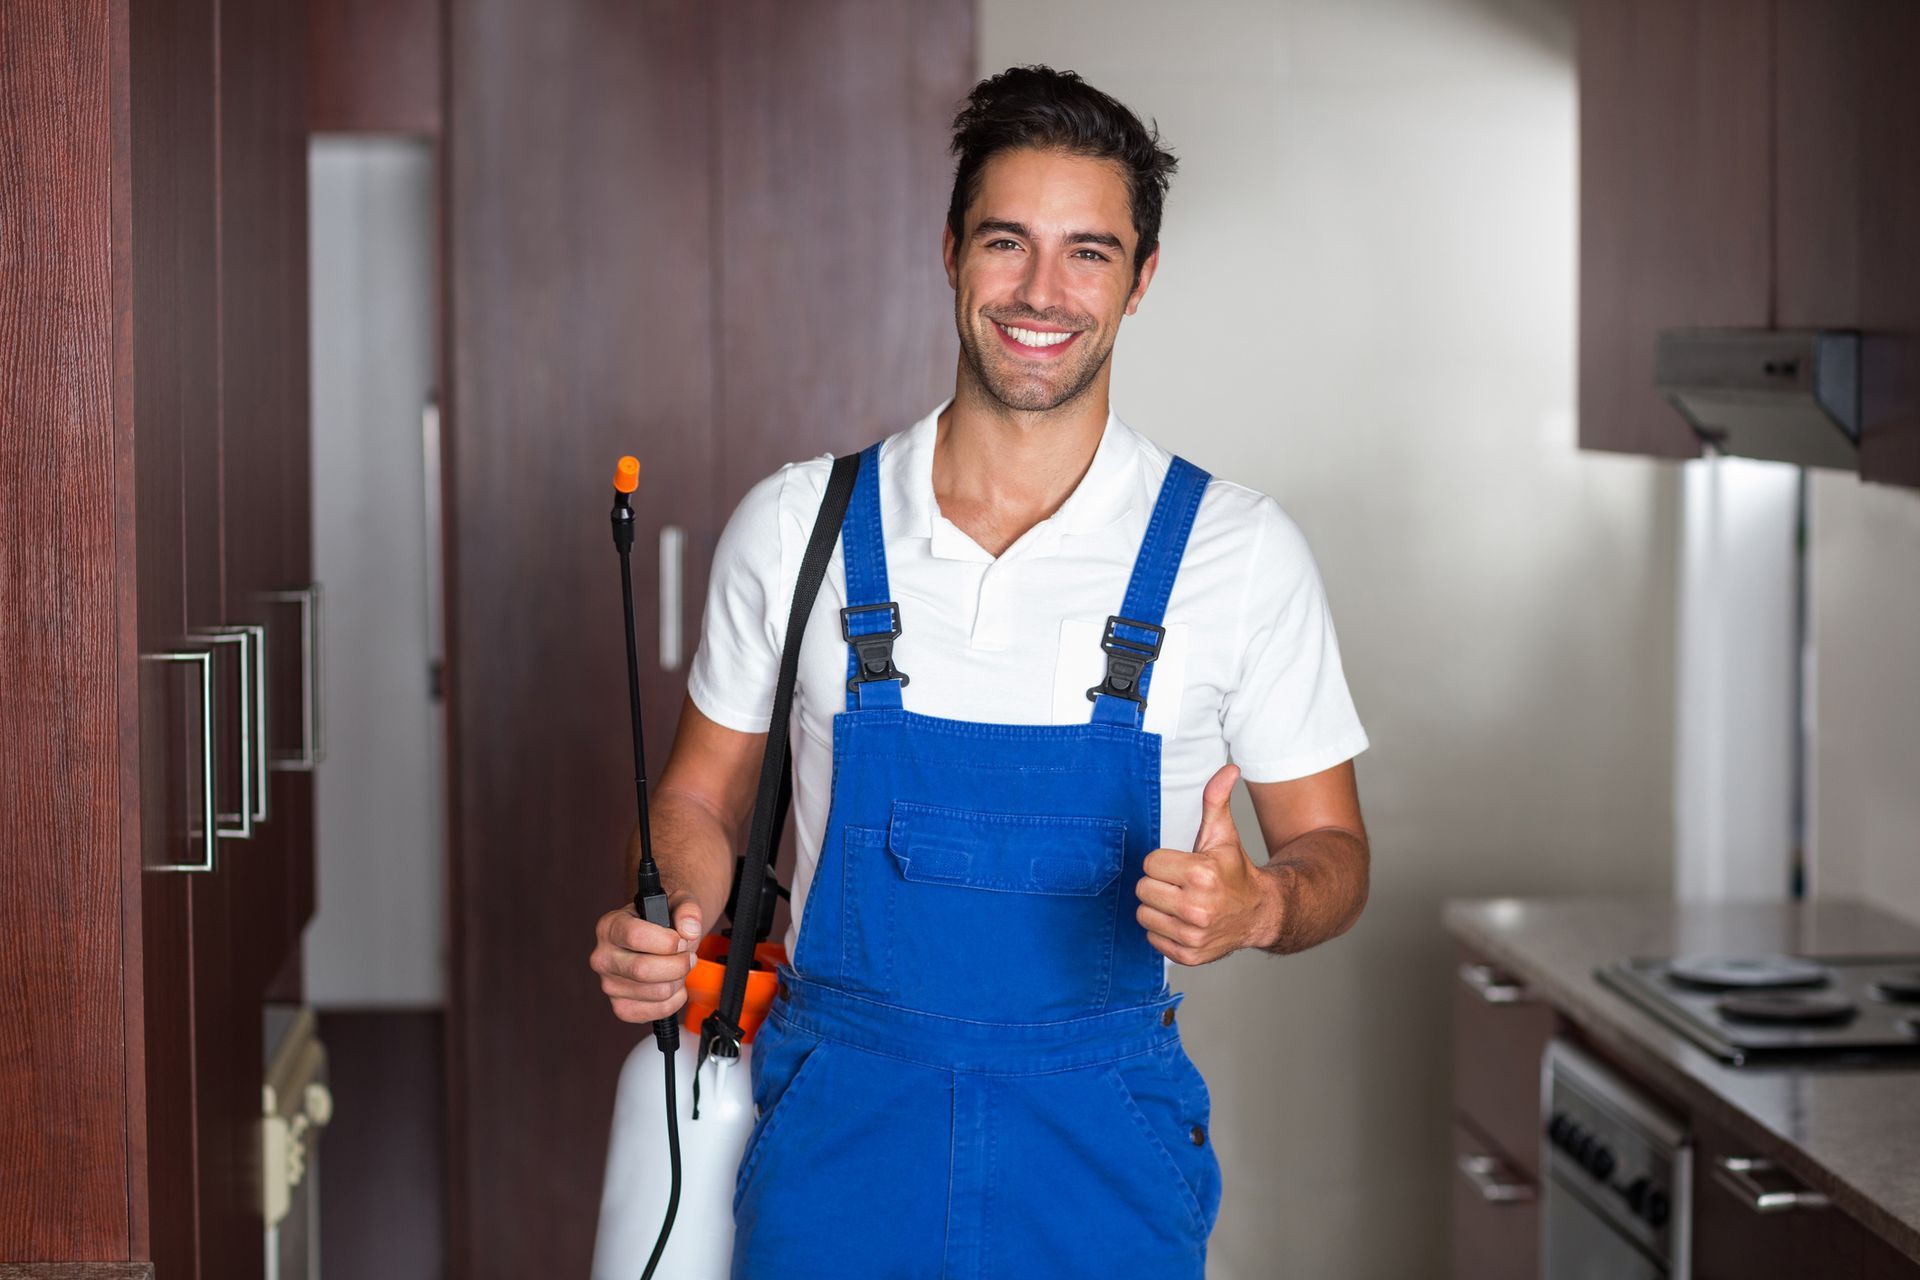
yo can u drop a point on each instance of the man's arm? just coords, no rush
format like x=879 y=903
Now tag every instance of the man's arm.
x=1199 y=906
x=1317 y=858
x=699 y=810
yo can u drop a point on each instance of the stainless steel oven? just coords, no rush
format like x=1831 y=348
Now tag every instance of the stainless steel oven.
x=1617 y=1176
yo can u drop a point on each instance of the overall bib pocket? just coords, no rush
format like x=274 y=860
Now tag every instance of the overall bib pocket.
x=1016 y=896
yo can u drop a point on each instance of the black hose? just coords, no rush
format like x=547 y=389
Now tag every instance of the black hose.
x=673 y=1153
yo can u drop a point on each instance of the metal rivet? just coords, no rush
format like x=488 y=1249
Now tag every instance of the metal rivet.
x=1199 y=1136
x=1166 y=1018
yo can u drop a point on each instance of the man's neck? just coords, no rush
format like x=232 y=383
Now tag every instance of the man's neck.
x=997 y=472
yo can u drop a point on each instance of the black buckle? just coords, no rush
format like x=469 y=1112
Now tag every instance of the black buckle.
x=873 y=651
x=1126 y=659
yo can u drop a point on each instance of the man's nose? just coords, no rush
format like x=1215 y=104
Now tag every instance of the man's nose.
x=1042 y=286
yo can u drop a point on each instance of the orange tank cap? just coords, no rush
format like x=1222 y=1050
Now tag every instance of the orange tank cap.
x=710 y=970
x=626 y=477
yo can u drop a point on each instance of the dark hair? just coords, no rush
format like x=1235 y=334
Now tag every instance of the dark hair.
x=1042 y=108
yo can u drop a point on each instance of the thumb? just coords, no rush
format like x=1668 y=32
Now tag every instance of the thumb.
x=686 y=918
x=1216 y=818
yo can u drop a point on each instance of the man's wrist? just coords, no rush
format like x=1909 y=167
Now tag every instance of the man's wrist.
x=1276 y=897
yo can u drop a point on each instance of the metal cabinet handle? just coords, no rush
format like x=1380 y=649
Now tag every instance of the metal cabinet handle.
x=205 y=836
x=673 y=554
x=238 y=824
x=1491 y=985
x=1496 y=1183
x=1741 y=1176
x=312 y=747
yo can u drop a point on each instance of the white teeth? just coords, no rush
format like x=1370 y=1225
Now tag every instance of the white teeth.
x=1033 y=338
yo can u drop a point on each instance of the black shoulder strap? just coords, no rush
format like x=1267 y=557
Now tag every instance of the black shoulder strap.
x=721 y=1031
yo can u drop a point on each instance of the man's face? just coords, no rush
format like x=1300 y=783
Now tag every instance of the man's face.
x=1044 y=275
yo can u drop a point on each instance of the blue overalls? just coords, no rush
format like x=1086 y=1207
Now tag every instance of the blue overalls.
x=971 y=1070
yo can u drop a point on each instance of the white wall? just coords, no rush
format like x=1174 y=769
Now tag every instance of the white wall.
x=1365 y=307
x=1865 y=621
x=378 y=934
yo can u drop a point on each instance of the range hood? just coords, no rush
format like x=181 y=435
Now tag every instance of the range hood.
x=1785 y=395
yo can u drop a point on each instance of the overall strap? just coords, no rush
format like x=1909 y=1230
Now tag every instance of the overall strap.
x=1132 y=637
x=871 y=620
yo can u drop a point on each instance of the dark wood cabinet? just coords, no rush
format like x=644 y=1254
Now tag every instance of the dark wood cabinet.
x=1499 y=1033
x=155 y=410
x=1747 y=165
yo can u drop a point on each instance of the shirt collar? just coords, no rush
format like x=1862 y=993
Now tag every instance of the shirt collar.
x=1108 y=492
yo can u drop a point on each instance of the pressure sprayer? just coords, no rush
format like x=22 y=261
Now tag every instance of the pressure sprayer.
x=718 y=1114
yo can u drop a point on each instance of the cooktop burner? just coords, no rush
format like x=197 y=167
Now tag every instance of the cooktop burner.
x=1787 y=1008
x=1730 y=973
x=1899 y=988
x=1746 y=1009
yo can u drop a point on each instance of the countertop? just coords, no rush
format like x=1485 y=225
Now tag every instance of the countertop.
x=1853 y=1133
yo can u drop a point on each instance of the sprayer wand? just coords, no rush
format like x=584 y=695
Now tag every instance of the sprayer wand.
x=650 y=897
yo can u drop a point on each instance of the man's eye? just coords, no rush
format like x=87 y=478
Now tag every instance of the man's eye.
x=994 y=244
x=1095 y=255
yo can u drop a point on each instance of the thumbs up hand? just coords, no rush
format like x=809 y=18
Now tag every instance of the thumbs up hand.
x=1198 y=906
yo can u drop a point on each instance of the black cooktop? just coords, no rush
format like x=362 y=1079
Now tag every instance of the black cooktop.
x=1748 y=1009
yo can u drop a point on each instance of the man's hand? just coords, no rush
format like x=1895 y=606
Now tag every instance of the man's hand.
x=643 y=968
x=1199 y=906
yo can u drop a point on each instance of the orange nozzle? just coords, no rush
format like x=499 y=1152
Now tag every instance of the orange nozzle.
x=626 y=477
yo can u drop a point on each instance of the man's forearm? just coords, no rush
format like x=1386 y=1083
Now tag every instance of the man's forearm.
x=694 y=848
x=1319 y=885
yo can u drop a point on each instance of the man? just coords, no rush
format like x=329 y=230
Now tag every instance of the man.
x=973 y=1068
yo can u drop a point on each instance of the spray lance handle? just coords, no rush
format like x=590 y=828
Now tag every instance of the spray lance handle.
x=650 y=896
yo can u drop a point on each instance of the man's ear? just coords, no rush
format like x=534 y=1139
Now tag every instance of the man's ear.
x=950 y=254
x=1146 y=277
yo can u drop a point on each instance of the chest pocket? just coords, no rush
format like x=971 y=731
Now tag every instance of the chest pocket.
x=1081 y=665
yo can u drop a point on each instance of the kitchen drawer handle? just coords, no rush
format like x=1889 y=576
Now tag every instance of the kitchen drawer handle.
x=312 y=747
x=253 y=693
x=1494 y=1181
x=1491 y=985
x=238 y=824
x=1738 y=1175
x=205 y=836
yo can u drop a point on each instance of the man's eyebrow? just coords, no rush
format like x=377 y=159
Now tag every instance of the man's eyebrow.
x=1004 y=227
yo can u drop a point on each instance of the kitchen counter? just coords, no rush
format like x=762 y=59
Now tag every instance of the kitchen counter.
x=1851 y=1132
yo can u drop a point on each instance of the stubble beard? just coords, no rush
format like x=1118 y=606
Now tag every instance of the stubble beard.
x=1026 y=392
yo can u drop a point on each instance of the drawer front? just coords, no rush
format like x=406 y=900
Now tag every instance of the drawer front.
x=1499 y=1034
x=1496 y=1213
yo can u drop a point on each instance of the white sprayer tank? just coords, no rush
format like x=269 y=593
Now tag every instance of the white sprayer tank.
x=633 y=1198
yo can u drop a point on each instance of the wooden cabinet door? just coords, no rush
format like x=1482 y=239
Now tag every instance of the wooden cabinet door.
x=189 y=1092
x=1495 y=1224
x=1675 y=199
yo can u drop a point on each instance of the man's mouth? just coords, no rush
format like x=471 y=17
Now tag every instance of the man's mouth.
x=1035 y=344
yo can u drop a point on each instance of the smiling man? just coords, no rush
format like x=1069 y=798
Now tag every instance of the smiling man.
x=1008 y=823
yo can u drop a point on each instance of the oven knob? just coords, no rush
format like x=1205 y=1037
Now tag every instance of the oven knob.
x=1579 y=1143
x=1557 y=1128
x=1658 y=1208
x=1599 y=1161
x=1636 y=1194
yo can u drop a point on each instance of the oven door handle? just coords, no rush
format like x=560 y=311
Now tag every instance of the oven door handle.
x=1496 y=1183
x=1741 y=1175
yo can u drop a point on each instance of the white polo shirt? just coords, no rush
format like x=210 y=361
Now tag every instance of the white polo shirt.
x=1249 y=669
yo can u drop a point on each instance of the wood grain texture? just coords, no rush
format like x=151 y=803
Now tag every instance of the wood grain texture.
x=63 y=1110
x=1675 y=197
x=175 y=383
x=375 y=66
x=581 y=324
x=1890 y=242
x=836 y=323
x=76 y=1271
x=657 y=214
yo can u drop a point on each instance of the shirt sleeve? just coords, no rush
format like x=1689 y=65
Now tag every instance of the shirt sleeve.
x=738 y=660
x=1289 y=714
